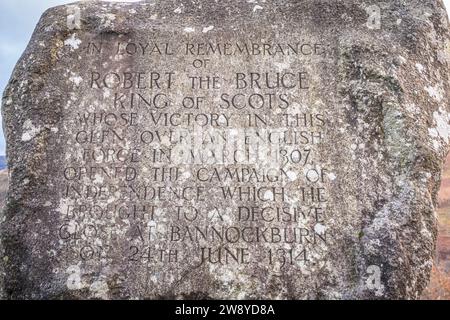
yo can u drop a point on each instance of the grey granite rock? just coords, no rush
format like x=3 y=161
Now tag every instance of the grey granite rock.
x=113 y=111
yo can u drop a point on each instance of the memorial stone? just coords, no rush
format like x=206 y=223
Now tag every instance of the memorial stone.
x=227 y=150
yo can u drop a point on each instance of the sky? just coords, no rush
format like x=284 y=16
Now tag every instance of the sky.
x=17 y=21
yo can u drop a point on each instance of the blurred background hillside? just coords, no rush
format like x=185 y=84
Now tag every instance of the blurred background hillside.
x=439 y=287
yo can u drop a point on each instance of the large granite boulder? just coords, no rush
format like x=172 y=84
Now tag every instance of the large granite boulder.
x=226 y=149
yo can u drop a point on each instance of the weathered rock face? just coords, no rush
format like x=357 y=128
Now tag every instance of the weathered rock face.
x=229 y=149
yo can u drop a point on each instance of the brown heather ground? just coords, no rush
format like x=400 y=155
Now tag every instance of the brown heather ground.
x=439 y=287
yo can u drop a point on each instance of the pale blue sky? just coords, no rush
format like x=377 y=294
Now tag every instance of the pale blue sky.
x=17 y=21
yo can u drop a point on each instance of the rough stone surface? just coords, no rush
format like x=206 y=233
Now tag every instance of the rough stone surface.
x=355 y=107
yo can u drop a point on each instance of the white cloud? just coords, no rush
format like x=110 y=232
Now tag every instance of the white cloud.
x=447 y=4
